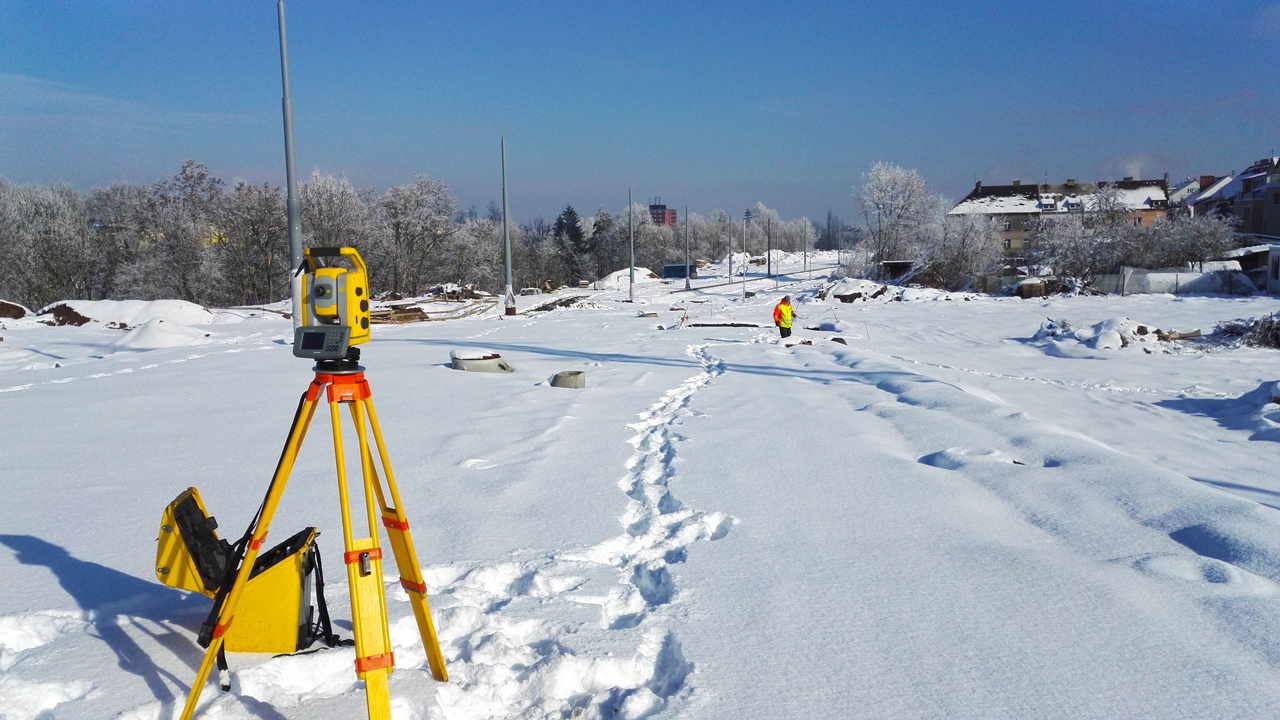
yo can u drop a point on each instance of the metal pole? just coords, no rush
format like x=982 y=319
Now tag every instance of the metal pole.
x=631 y=234
x=768 y=224
x=746 y=264
x=291 y=179
x=687 y=286
x=729 y=241
x=506 y=238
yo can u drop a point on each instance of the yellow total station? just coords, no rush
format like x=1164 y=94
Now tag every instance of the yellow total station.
x=336 y=296
x=336 y=316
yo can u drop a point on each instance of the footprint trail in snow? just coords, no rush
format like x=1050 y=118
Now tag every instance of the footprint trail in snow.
x=508 y=661
x=581 y=633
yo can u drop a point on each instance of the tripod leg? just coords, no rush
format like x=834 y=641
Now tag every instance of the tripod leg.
x=363 y=557
x=397 y=524
x=296 y=434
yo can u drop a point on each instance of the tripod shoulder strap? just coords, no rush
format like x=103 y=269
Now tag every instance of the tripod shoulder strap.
x=323 y=630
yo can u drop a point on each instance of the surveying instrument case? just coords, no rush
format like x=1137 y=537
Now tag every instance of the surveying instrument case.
x=278 y=615
x=262 y=601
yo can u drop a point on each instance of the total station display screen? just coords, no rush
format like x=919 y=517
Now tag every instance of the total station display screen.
x=313 y=341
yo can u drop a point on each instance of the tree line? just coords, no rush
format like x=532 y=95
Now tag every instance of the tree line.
x=194 y=237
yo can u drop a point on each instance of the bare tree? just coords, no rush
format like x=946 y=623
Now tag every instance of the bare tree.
x=334 y=214
x=413 y=219
x=897 y=207
x=962 y=249
x=253 y=251
x=45 y=238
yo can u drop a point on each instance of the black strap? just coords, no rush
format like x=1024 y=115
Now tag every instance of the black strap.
x=224 y=678
x=236 y=556
x=323 y=630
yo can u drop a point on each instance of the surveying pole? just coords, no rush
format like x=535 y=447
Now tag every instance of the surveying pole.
x=631 y=234
x=506 y=238
x=687 y=286
x=291 y=180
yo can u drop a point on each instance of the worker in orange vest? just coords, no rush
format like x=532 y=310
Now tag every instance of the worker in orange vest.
x=782 y=316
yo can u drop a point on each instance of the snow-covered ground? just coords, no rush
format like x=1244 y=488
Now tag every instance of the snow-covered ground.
x=963 y=510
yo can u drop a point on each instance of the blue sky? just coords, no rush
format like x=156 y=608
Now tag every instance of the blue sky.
x=710 y=105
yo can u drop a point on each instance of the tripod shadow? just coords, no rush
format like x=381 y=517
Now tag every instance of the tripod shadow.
x=113 y=601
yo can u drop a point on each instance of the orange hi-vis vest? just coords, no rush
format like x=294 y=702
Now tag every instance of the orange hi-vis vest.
x=782 y=314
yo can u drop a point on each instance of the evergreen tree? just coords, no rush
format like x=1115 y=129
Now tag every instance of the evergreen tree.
x=570 y=243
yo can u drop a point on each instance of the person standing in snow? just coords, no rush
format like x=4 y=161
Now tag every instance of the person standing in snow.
x=783 y=314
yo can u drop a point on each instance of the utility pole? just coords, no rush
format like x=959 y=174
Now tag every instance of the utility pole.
x=768 y=233
x=746 y=263
x=631 y=235
x=506 y=238
x=291 y=179
x=687 y=286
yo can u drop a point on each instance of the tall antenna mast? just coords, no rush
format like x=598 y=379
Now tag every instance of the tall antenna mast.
x=291 y=179
x=631 y=234
x=506 y=239
x=686 y=247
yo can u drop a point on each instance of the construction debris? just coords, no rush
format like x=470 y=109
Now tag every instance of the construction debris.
x=411 y=313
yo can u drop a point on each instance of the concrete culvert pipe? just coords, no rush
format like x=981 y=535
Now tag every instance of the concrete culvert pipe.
x=569 y=379
x=477 y=360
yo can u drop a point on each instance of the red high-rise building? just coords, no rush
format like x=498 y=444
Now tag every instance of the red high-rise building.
x=659 y=214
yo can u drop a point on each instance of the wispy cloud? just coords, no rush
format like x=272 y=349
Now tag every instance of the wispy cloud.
x=33 y=102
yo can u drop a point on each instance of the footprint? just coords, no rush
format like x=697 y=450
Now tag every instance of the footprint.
x=957 y=457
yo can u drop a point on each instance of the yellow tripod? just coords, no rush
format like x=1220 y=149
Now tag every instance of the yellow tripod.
x=363 y=556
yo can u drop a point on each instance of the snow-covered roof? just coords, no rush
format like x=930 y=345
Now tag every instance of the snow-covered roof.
x=997 y=205
x=1142 y=198
x=1227 y=186
x=1003 y=200
x=1251 y=250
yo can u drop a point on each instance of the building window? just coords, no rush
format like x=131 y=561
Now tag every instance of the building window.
x=1137 y=222
x=1008 y=243
x=1006 y=224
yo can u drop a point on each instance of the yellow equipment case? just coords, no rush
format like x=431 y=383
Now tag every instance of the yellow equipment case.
x=275 y=613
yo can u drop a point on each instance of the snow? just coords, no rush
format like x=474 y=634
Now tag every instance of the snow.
x=621 y=279
x=137 y=312
x=471 y=354
x=999 y=204
x=963 y=511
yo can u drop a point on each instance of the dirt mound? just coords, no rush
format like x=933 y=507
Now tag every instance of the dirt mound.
x=12 y=311
x=64 y=315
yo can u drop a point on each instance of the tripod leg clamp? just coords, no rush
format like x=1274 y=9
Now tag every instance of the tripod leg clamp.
x=375 y=662
x=408 y=584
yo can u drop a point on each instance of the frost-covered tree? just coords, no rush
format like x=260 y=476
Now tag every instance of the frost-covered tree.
x=253 y=252
x=177 y=223
x=334 y=214
x=961 y=249
x=898 y=207
x=412 y=220
x=44 y=238
x=472 y=255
